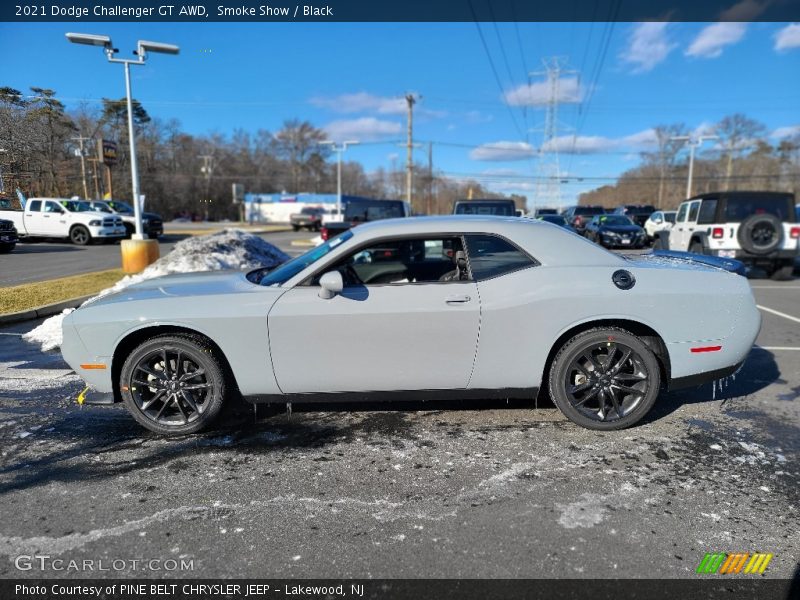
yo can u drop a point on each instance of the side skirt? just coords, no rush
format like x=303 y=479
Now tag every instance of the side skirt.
x=395 y=396
x=680 y=383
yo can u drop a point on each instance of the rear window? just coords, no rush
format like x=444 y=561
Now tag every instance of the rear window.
x=708 y=212
x=491 y=256
x=486 y=208
x=589 y=210
x=738 y=208
x=373 y=211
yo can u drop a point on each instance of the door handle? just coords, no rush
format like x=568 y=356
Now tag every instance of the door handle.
x=457 y=299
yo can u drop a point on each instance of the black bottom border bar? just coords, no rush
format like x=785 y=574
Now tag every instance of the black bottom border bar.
x=705 y=586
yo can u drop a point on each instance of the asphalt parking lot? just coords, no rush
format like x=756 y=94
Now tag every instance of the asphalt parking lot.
x=429 y=489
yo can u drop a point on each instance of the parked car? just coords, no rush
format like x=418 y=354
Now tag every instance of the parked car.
x=309 y=217
x=602 y=332
x=357 y=211
x=555 y=220
x=152 y=223
x=661 y=220
x=59 y=218
x=760 y=229
x=8 y=236
x=578 y=216
x=500 y=208
x=638 y=213
x=615 y=231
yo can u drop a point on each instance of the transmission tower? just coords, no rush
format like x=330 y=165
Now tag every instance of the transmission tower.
x=548 y=182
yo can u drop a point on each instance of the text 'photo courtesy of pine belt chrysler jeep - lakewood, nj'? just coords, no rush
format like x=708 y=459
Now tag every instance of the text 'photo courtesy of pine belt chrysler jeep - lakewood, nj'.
x=451 y=307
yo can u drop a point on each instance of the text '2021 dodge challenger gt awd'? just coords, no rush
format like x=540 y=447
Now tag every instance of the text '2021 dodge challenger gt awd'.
x=423 y=308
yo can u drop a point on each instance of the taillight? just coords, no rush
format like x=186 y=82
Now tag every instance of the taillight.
x=717 y=233
x=578 y=221
x=323 y=233
x=794 y=233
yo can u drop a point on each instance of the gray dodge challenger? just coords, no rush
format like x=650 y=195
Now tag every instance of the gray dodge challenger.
x=433 y=307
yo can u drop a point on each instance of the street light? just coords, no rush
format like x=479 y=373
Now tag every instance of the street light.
x=142 y=48
x=693 y=142
x=339 y=150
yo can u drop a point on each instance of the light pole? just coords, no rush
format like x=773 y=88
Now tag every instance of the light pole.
x=693 y=143
x=339 y=149
x=143 y=47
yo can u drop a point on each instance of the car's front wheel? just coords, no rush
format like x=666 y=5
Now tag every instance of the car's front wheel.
x=605 y=378
x=79 y=235
x=173 y=385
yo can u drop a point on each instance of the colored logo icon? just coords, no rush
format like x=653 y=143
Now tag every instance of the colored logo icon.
x=733 y=563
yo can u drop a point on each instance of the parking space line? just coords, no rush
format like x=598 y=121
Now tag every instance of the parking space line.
x=780 y=314
x=10 y=333
x=778 y=348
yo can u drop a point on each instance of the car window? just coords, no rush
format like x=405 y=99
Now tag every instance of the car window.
x=101 y=207
x=708 y=212
x=52 y=207
x=475 y=207
x=738 y=208
x=492 y=256
x=669 y=217
x=35 y=205
x=682 y=212
x=694 y=207
x=404 y=261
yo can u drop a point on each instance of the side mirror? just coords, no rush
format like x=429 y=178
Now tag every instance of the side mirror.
x=330 y=284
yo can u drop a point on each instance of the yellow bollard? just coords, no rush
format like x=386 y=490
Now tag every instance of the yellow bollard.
x=137 y=254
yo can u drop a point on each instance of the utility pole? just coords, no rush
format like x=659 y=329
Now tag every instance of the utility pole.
x=548 y=185
x=693 y=143
x=410 y=100
x=430 y=178
x=339 y=149
x=206 y=170
x=80 y=139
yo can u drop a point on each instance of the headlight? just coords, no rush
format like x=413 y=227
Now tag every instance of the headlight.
x=95 y=223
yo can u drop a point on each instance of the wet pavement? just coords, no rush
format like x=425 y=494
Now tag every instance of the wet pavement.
x=429 y=489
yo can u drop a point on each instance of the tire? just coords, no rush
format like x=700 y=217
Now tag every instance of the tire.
x=591 y=406
x=7 y=248
x=760 y=234
x=658 y=244
x=79 y=235
x=696 y=248
x=783 y=272
x=129 y=231
x=188 y=408
x=295 y=227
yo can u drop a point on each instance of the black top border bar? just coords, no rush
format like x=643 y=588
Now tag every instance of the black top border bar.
x=398 y=10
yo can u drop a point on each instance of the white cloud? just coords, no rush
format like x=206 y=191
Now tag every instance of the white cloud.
x=364 y=129
x=785 y=132
x=363 y=102
x=710 y=42
x=648 y=45
x=595 y=144
x=538 y=93
x=705 y=128
x=502 y=151
x=788 y=38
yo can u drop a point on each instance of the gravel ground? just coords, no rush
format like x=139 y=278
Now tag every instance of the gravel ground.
x=407 y=490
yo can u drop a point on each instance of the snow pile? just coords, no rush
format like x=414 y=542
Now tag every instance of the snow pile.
x=227 y=249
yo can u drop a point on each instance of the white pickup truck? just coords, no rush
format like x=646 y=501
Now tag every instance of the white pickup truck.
x=59 y=218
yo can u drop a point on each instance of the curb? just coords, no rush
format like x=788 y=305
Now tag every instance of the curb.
x=43 y=311
x=302 y=243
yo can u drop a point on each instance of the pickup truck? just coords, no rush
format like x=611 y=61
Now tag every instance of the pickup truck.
x=757 y=228
x=152 y=223
x=309 y=217
x=58 y=218
x=502 y=208
x=362 y=211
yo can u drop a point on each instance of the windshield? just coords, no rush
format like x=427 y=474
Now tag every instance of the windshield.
x=122 y=207
x=76 y=205
x=669 y=217
x=614 y=220
x=486 y=208
x=287 y=270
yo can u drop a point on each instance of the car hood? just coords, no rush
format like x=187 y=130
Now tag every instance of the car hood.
x=183 y=285
x=621 y=228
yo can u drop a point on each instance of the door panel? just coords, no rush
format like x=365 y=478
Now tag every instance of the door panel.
x=375 y=338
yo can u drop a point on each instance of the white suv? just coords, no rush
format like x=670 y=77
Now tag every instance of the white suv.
x=661 y=220
x=757 y=228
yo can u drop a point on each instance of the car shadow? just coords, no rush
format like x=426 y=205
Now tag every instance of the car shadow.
x=759 y=371
x=39 y=249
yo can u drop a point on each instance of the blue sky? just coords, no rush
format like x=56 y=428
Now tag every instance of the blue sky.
x=349 y=79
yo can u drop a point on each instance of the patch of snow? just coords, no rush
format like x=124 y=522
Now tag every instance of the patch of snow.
x=715 y=447
x=586 y=512
x=226 y=249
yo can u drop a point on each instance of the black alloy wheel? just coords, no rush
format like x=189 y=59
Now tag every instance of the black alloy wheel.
x=173 y=384
x=605 y=379
x=79 y=235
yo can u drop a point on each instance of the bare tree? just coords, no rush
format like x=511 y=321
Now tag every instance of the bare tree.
x=737 y=133
x=663 y=157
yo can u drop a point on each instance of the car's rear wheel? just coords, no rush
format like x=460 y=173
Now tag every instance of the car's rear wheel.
x=783 y=271
x=79 y=235
x=173 y=385
x=6 y=248
x=696 y=248
x=605 y=378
